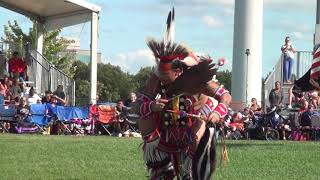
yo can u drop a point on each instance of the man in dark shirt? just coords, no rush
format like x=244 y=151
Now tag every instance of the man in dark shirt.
x=306 y=116
x=121 y=125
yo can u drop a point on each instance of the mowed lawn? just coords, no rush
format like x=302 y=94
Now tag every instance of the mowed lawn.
x=101 y=157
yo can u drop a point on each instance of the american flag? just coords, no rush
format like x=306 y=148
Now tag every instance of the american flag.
x=315 y=67
x=303 y=84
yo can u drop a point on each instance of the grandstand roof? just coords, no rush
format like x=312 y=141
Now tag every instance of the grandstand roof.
x=53 y=13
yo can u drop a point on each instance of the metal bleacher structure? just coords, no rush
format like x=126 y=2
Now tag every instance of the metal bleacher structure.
x=302 y=63
x=52 y=15
x=51 y=76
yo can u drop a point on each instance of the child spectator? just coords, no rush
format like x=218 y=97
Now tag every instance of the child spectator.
x=51 y=109
x=47 y=97
x=23 y=112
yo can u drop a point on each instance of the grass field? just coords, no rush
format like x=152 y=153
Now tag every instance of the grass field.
x=70 y=158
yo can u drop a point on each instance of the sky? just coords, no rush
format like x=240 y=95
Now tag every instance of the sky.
x=206 y=26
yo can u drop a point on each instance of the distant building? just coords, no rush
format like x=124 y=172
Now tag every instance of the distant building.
x=73 y=48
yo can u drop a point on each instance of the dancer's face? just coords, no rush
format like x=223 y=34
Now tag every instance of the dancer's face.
x=169 y=76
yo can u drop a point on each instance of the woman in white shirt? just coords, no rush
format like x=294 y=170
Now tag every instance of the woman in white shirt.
x=32 y=97
x=288 y=57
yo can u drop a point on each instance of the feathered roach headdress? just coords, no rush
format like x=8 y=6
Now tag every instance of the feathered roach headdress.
x=166 y=53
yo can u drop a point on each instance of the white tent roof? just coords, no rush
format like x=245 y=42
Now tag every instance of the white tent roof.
x=53 y=13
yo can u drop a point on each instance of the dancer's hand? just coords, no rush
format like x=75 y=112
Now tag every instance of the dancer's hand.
x=158 y=105
x=213 y=117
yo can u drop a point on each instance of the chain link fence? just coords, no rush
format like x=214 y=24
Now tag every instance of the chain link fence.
x=51 y=76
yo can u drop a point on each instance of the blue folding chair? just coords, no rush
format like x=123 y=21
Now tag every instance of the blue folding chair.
x=7 y=114
x=66 y=114
x=1 y=99
x=82 y=112
x=38 y=115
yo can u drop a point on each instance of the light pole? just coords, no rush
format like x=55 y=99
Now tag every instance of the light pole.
x=247 y=53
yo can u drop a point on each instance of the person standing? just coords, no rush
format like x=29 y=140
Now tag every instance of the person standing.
x=276 y=96
x=17 y=66
x=288 y=58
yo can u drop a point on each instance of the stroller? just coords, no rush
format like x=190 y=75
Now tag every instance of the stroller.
x=264 y=126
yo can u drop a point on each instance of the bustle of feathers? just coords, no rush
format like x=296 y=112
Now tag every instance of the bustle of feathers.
x=194 y=79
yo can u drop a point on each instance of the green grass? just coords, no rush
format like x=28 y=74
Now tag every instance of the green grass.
x=100 y=157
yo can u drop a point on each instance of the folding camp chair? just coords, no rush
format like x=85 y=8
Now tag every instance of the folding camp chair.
x=106 y=116
x=38 y=115
x=64 y=114
x=68 y=114
x=7 y=115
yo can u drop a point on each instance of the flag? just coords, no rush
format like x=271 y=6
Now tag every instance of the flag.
x=302 y=84
x=315 y=67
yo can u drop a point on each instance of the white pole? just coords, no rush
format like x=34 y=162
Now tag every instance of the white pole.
x=39 y=58
x=93 y=53
x=246 y=76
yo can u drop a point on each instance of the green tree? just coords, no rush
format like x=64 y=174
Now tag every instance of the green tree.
x=116 y=83
x=113 y=83
x=52 y=45
x=224 y=77
x=141 y=77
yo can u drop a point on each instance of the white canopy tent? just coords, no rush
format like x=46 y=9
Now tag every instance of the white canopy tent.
x=56 y=14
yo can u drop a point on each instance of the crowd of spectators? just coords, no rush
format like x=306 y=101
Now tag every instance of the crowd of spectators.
x=15 y=89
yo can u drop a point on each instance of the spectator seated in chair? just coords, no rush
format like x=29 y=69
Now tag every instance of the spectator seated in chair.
x=314 y=98
x=23 y=113
x=60 y=96
x=15 y=90
x=240 y=118
x=47 y=97
x=304 y=106
x=255 y=108
x=297 y=98
x=305 y=121
x=32 y=97
x=121 y=126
